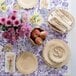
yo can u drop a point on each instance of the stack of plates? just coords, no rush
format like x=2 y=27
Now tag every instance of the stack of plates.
x=56 y=53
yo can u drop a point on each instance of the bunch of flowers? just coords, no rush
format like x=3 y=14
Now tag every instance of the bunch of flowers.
x=14 y=27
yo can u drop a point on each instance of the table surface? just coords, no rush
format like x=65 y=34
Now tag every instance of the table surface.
x=72 y=39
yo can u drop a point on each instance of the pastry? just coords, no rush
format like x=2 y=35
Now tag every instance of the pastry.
x=10 y=62
x=56 y=53
x=38 y=41
x=35 y=33
x=26 y=63
x=27 y=4
x=43 y=34
x=61 y=21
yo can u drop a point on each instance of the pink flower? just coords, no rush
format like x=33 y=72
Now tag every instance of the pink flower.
x=17 y=31
x=0 y=23
x=6 y=35
x=21 y=33
x=14 y=12
x=16 y=23
x=2 y=20
x=13 y=17
x=8 y=23
x=17 y=36
x=29 y=28
x=11 y=30
x=13 y=38
x=23 y=28
x=22 y=24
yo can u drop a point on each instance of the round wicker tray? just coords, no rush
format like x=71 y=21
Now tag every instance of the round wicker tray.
x=26 y=63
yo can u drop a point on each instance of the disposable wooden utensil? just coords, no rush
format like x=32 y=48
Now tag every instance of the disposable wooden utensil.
x=10 y=62
x=61 y=21
x=26 y=63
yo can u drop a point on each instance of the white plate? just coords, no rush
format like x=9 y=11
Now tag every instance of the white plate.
x=27 y=4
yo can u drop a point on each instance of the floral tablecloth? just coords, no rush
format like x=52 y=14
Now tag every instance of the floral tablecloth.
x=43 y=69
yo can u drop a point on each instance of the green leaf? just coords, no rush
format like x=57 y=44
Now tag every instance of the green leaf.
x=4 y=28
